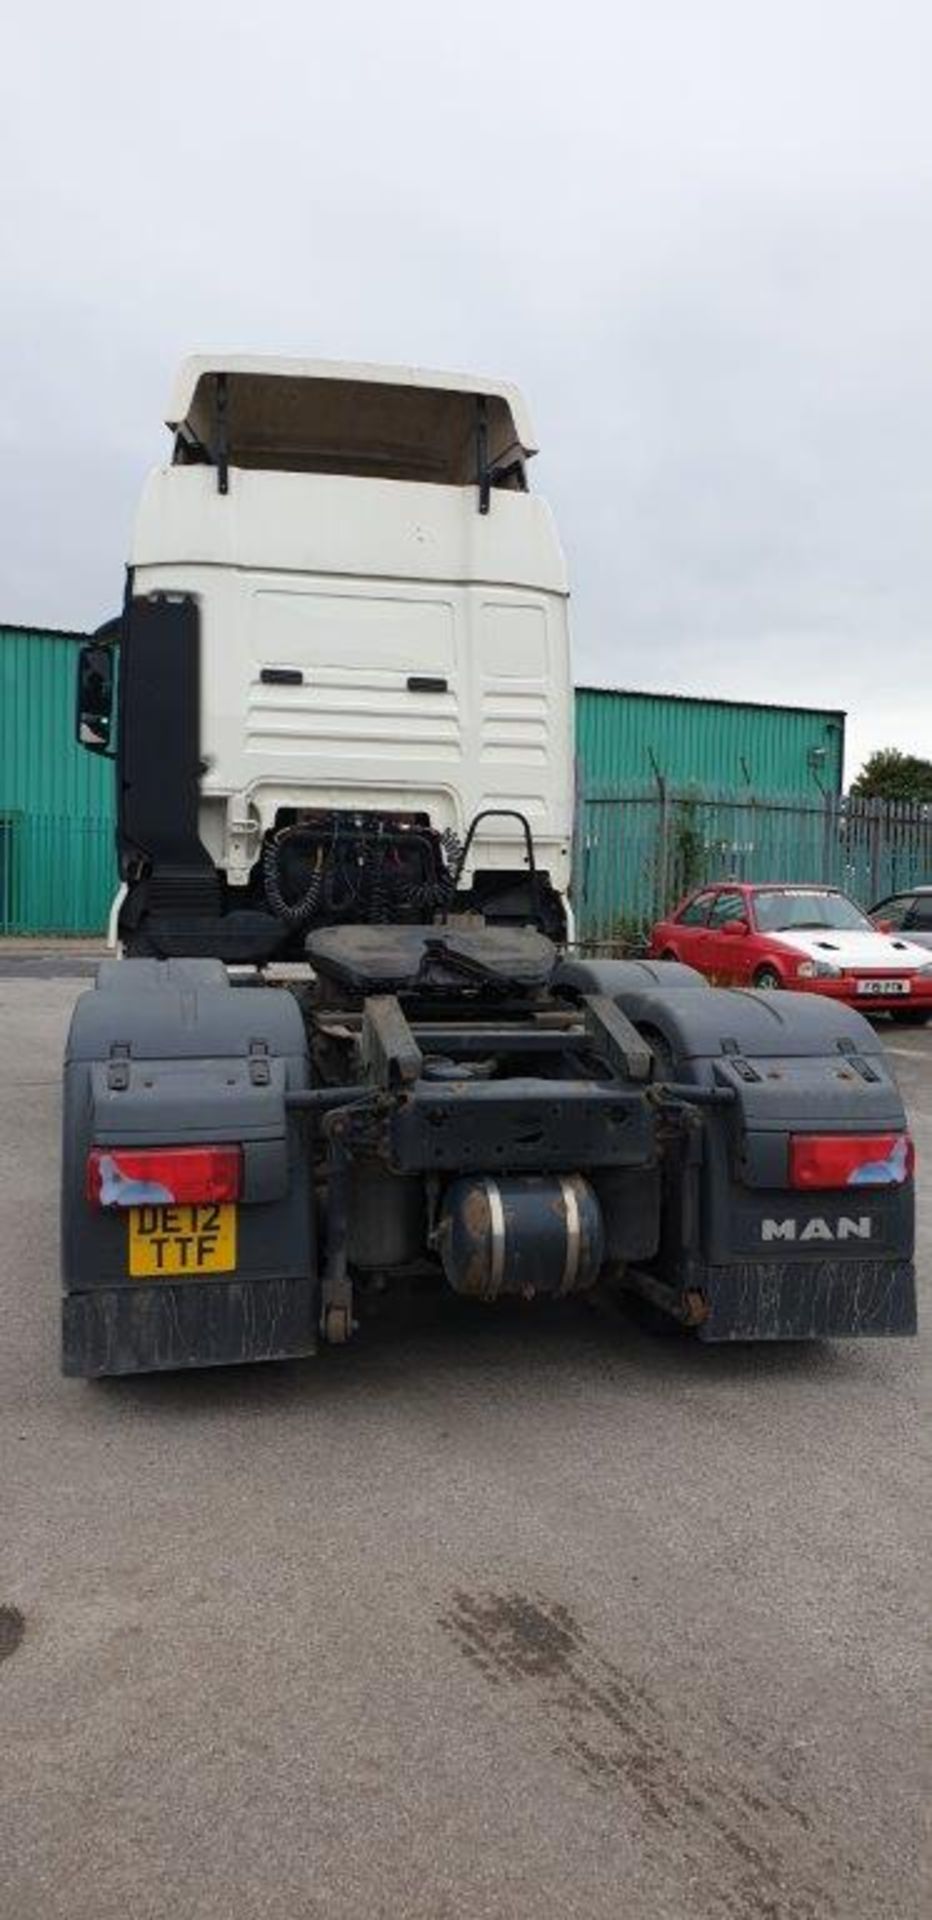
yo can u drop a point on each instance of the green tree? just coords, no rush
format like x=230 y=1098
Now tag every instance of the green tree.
x=891 y=775
x=688 y=848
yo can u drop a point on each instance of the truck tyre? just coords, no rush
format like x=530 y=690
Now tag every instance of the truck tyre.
x=664 y=1062
x=645 y=1313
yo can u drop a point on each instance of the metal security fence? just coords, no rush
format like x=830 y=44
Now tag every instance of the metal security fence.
x=636 y=854
x=57 y=873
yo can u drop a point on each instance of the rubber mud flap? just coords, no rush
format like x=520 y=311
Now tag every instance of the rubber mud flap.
x=160 y=1328
x=856 y=1299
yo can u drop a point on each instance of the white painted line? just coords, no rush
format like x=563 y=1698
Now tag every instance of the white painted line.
x=905 y=1053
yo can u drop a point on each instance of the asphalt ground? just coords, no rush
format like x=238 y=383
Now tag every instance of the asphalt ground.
x=514 y=1614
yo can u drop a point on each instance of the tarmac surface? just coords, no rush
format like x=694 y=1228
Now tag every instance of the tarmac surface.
x=493 y=1615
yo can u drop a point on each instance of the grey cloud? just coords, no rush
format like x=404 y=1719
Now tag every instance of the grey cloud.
x=696 y=235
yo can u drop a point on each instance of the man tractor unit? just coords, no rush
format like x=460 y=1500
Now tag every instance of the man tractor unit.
x=346 y=1042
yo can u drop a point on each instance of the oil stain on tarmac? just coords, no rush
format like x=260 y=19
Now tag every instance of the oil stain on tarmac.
x=749 y=1849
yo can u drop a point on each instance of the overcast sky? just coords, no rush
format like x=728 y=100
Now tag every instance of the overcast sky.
x=697 y=233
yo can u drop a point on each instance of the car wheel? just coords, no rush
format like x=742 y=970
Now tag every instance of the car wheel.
x=767 y=979
x=668 y=954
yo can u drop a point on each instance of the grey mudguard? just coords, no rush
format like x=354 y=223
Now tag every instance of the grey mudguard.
x=166 y=1053
x=161 y=976
x=772 y=1262
x=624 y=977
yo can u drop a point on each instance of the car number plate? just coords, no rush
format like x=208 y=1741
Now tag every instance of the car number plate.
x=168 y=1242
x=884 y=986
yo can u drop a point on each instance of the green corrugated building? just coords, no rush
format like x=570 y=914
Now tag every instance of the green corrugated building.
x=629 y=742
x=57 y=861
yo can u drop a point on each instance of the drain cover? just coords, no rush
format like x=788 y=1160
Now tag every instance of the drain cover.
x=12 y=1628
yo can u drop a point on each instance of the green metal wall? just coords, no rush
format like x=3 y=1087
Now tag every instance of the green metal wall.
x=57 y=862
x=624 y=741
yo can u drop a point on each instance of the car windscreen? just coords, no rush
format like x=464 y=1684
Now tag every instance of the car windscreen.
x=788 y=909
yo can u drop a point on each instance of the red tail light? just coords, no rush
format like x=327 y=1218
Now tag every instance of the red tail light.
x=850 y=1159
x=153 y=1176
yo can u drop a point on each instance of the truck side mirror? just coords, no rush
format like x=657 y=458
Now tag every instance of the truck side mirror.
x=94 y=709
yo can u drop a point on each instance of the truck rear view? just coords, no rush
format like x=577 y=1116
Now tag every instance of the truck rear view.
x=343 y=743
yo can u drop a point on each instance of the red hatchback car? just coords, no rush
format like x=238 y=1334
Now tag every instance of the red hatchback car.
x=812 y=939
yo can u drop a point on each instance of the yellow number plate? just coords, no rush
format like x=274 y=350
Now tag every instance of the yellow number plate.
x=168 y=1242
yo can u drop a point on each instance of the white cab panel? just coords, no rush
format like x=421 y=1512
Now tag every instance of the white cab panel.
x=425 y=646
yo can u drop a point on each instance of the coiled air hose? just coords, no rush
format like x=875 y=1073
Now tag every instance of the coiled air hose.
x=295 y=913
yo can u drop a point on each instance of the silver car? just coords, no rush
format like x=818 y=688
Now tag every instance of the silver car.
x=909 y=912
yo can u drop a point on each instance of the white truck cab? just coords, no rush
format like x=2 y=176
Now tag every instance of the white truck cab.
x=381 y=613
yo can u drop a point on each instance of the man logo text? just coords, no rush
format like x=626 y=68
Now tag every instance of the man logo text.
x=849 y=1227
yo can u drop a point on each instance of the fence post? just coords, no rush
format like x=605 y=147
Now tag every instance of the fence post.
x=876 y=824
x=828 y=876
x=662 y=863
